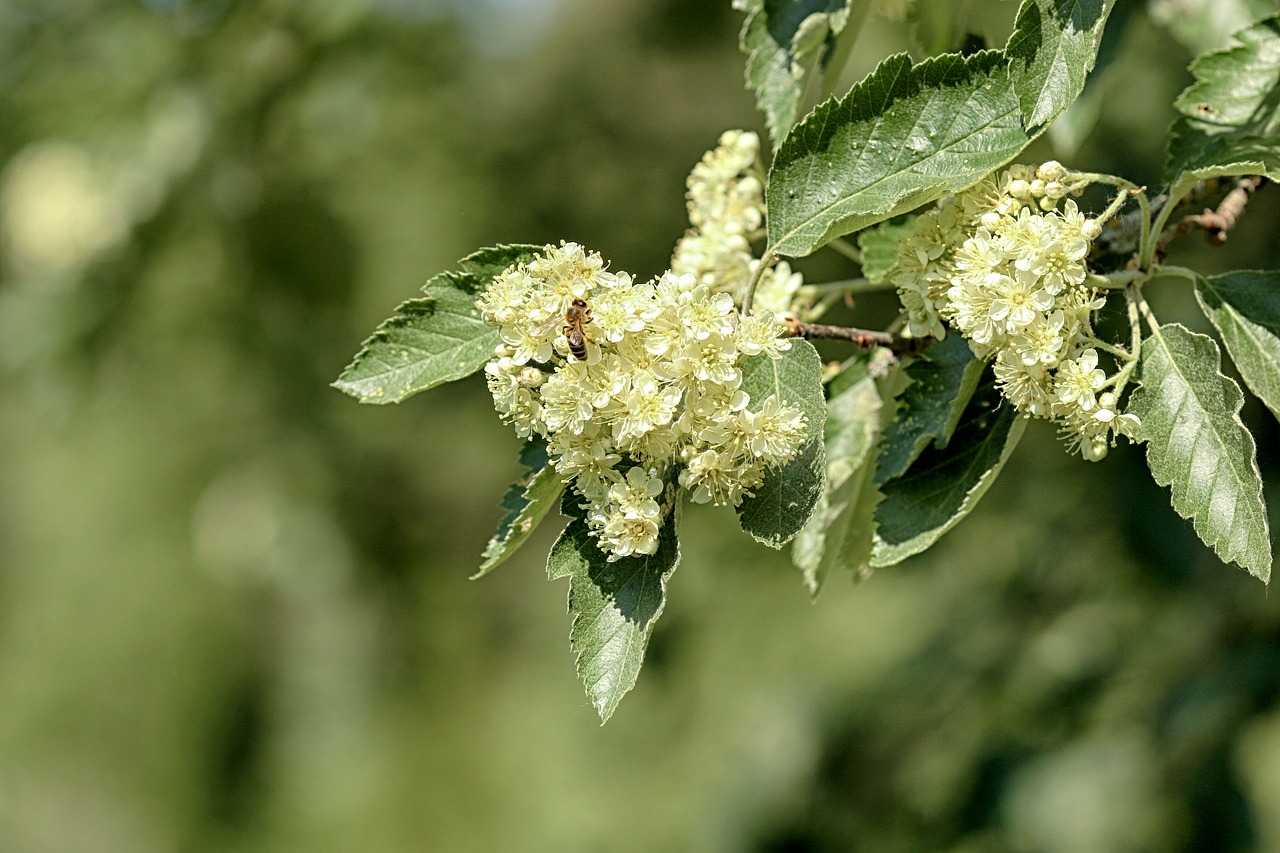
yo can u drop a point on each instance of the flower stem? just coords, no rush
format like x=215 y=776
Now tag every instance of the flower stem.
x=848 y=285
x=846 y=248
x=767 y=261
x=1118 y=352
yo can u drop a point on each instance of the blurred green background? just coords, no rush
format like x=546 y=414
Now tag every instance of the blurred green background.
x=234 y=605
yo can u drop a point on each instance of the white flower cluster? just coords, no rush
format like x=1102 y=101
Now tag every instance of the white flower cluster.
x=634 y=386
x=726 y=211
x=1004 y=264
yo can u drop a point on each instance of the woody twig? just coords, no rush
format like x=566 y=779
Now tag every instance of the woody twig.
x=865 y=338
x=1217 y=223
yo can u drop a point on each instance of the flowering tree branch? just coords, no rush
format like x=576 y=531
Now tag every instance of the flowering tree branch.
x=865 y=338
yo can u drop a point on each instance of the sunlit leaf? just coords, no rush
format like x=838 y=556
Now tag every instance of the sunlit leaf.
x=1198 y=446
x=785 y=41
x=944 y=485
x=1230 y=114
x=434 y=339
x=853 y=422
x=526 y=502
x=942 y=381
x=786 y=500
x=909 y=134
x=1052 y=50
x=614 y=605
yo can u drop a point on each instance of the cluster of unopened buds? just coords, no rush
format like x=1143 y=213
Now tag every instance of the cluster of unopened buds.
x=636 y=388
x=1003 y=263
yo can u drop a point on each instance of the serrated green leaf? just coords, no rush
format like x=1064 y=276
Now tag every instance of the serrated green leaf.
x=614 y=605
x=785 y=40
x=909 y=134
x=1230 y=114
x=1052 y=50
x=904 y=136
x=1245 y=308
x=879 y=248
x=786 y=500
x=525 y=503
x=435 y=339
x=942 y=381
x=853 y=422
x=1198 y=446
x=944 y=485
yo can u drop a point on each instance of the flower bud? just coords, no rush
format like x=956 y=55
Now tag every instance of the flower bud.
x=1051 y=171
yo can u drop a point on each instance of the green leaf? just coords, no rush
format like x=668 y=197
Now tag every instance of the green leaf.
x=435 y=339
x=1229 y=115
x=853 y=422
x=787 y=498
x=909 y=134
x=859 y=538
x=879 y=248
x=614 y=605
x=526 y=502
x=1197 y=445
x=1245 y=308
x=902 y=137
x=784 y=41
x=1052 y=49
x=942 y=381
x=944 y=485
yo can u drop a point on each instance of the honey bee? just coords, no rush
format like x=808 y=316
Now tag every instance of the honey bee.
x=576 y=316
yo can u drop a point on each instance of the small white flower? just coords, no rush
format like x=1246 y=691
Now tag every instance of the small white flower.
x=776 y=291
x=762 y=333
x=1078 y=380
x=1016 y=301
x=772 y=434
x=646 y=405
x=1027 y=386
x=1042 y=341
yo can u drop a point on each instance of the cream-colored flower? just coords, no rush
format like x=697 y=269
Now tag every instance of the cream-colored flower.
x=659 y=389
x=1004 y=266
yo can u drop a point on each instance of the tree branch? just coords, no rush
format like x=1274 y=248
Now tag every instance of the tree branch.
x=1120 y=234
x=864 y=338
x=1217 y=223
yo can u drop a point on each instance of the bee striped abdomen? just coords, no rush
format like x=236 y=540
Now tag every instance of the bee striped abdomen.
x=575 y=317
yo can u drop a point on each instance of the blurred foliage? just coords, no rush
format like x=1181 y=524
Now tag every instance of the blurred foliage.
x=234 y=606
